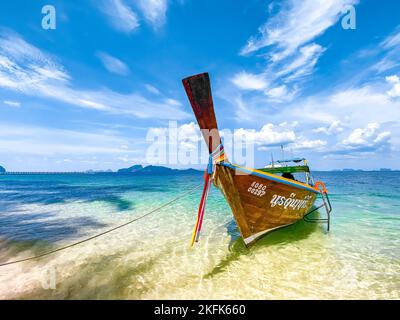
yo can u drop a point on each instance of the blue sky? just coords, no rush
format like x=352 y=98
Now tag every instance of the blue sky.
x=86 y=95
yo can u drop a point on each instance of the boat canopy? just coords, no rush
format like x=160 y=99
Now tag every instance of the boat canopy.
x=288 y=169
x=287 y=166
x=296 y=160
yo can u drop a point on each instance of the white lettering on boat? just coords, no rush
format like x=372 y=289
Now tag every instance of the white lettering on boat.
x=290 y=202
x=258 y=189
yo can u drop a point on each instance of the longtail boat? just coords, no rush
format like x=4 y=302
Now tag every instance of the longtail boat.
x=261 y=200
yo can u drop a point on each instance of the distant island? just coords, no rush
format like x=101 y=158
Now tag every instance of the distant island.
x=139 y=169
x=135 y=169
x=157 y=170
x=361 y=170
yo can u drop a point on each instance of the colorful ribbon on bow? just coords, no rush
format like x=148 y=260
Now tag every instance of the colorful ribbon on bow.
x=217 y=156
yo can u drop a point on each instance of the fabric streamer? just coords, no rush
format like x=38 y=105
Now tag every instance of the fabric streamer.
x=216 y=157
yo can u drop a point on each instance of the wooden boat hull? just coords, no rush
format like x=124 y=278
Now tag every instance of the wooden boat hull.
x=262 y=202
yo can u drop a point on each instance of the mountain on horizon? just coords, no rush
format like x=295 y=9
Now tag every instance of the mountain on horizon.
x=139 y=169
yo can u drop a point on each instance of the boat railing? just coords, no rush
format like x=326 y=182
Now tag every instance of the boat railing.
x=328 y=209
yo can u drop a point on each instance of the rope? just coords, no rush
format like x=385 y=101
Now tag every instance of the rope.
x=102 y=233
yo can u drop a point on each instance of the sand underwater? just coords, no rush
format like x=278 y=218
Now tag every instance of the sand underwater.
x=151 y=258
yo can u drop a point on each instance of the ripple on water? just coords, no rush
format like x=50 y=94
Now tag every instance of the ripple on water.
x=359 y=258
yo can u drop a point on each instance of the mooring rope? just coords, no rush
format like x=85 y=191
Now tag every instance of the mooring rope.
x=104 y=232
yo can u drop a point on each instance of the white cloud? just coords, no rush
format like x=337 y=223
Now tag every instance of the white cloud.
x=14 y=104
x=393 y=41
x=249 y=81
x=391 y=51
x=395 y=81
x=173 y=102
x=120 y=15
x=303 y=144
x=17 y=139
x=152 y=89
x=269 y=135
x=334 y=128
x=242 y=110
x=292 y=124
x=368 y=137
x=304 y=63
x=298 y=23
x=300 y=66
x=188 y=134
x=288 y=36
x=359 y=106
x=124 y=159
x=123 y=15
x=24 y=67
x=27 y=70
x=113 y=64
x=281 y=94
x=154 y=11
x=277 y=92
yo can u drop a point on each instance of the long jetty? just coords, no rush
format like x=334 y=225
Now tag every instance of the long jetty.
x=46 y=173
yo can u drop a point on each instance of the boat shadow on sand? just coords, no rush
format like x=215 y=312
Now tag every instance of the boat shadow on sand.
x=289 y=234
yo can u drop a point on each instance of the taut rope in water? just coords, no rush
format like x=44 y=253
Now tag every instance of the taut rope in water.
x=105 y=232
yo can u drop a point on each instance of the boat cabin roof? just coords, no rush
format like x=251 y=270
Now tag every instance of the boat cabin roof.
x=296 y=160
x=282 y=166
x=289 y=169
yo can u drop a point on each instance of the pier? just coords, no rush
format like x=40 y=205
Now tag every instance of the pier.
x=43 y=173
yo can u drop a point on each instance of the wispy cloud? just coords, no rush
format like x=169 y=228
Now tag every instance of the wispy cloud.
x=152 y=89
x=287 y=36
x=26 y=69
x=18 y=139
x=119 y=15
x=249 y=81
x=125 y=15
x=113 y=64
x=390 y=48
x=154 y=11
x=296 y=24
x=14 y=104
x=304 y=144
x=303 y=64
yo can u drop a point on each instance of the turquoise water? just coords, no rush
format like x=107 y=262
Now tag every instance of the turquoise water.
x=151 y=258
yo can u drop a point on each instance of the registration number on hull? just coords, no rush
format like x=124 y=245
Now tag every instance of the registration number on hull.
x=258 y=189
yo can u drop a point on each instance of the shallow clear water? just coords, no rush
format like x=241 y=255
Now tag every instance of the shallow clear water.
x=151 y=258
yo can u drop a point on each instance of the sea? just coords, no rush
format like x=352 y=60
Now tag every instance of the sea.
x=151 y=258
